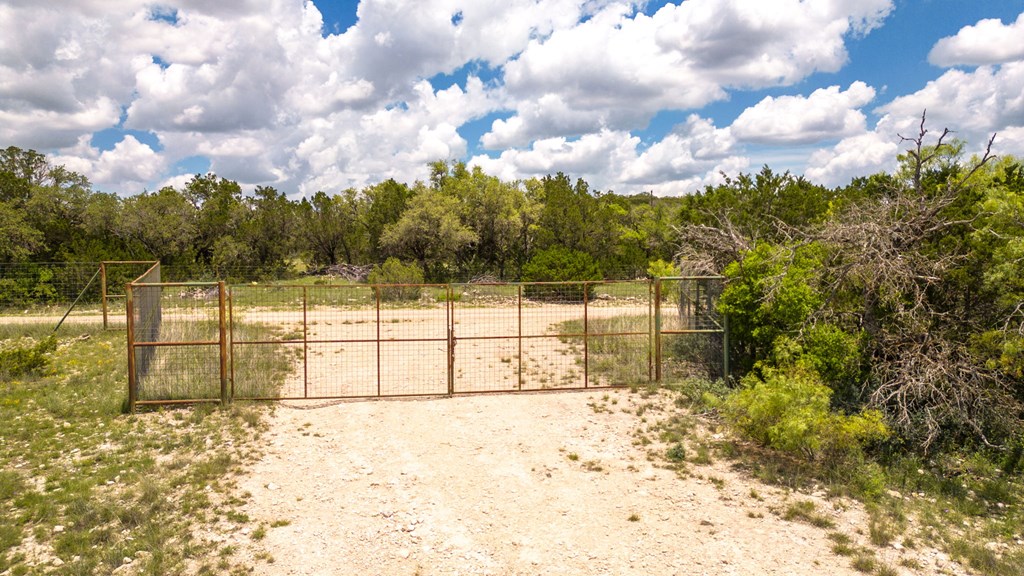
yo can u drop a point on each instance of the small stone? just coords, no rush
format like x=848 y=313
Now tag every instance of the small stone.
x=58 y=529
x=57 y=562
x=897 y=546
x=404 y=553
x=271 y=486
x=126 y=560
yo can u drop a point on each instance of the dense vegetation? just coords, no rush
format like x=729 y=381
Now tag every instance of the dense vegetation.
x=896 y=296
x=461 y=224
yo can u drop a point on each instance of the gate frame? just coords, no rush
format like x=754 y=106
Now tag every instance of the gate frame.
x=226 y=341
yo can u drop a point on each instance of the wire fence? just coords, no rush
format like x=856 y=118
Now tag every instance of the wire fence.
x=216 y=342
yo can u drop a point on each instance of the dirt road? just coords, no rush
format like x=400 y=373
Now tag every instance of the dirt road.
x=511 y=484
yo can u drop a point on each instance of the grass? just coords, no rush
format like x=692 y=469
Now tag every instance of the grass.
x=85 y=486
x=193 y=372
x=967 y=504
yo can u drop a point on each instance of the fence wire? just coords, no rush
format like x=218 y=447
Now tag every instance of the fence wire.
x=350 y=341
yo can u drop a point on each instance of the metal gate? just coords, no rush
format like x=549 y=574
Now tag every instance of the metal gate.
x=321 y=341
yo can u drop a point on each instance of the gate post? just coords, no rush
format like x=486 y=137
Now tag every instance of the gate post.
x=103 y=291
x=586 y=331
x=450 y=313
x=130 y=323
x=222 y=325
x=657 y=330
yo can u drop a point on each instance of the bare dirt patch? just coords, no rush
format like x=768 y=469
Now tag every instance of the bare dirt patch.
x=512 y=484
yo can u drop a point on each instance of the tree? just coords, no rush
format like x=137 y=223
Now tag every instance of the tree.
x=385 y=203
x=329 y=226
x=429 y=231
x=163 y=223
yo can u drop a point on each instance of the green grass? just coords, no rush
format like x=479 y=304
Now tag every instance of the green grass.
x=89 y=485
x=614 y=360
x=193 y=372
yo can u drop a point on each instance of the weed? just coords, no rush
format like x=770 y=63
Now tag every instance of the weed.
x=806 y=511
x=864 y=563
x=573 y=456
x=676 y=453
x=634 y=517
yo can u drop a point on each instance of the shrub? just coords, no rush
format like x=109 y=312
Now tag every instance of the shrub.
x=660 y=269
x=393 y=272
x=560 y=265
x=21 y=359
x=789 y=411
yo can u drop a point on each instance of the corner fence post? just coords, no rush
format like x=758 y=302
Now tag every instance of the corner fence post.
x=657 y=330
x=223 y=326
x=130 y=323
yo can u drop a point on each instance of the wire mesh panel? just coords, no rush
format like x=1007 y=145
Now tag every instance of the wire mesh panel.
x=619 y=334
x=691 y=332
x=114 y=276
x=486 y=327
x=414 y=333
x=267 y=341
x=175 y=337
x=553 y=317
x=343 y=350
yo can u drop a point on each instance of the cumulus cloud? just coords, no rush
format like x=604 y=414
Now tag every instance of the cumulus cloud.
x=826 y=114
x=129 y=165
x=685 y=160
x=987 y=42
x=858 y=155
x=618 y=69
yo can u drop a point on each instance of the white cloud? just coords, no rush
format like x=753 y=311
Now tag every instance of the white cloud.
x=618 y=69
x=974 y=104
x=126 y=168
x=987 y=42
x=858 y=155
x=827 y=114
x=682 y=162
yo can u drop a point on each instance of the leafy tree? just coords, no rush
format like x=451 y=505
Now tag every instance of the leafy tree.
x=385 y=203
x=330 y=226
x=163 y=223
x=431 y=232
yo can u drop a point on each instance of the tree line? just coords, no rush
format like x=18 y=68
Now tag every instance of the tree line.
x=894 y=303
x=460 y=224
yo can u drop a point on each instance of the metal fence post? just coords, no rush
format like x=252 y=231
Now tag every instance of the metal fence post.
x=231 y=338
x=130 y=323
x=450 y=313
x=519 y=369
x=657 y=330
x=223 y=326
x=650 y=330
x=103 y=291
x=305 y=343
x=586 y=341
x=725 y=348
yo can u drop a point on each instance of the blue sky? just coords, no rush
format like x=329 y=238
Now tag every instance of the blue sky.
x=632 y=96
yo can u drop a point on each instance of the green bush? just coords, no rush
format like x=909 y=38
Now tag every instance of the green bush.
x=407 y=276
x=560 y=265
x=17 y=359
x=789 y=411
x=661 y=269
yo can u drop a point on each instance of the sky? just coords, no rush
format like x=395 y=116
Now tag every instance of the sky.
x=654 y=96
